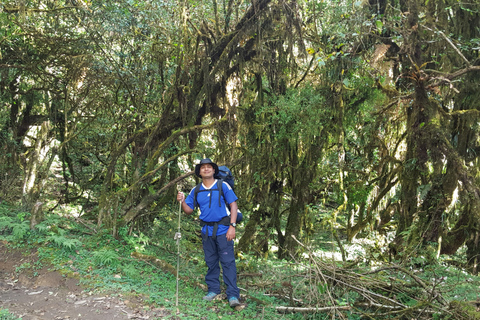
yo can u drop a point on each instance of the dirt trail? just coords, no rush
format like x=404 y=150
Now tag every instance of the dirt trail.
x=47 y=295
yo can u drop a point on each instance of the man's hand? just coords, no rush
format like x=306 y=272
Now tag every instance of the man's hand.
x=181 y=199
x=180 y=196
x=231 y=233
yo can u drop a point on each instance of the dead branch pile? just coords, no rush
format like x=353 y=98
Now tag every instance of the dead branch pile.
x=392 y=292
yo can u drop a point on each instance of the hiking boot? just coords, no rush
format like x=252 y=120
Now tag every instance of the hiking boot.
x=233 y=302
x=210 y=296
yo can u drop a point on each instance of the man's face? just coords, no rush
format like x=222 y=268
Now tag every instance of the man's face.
x=206 y=170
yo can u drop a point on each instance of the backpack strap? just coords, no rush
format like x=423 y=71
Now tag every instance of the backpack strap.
x=195 y=193
x=222 y=194
x=220 y=191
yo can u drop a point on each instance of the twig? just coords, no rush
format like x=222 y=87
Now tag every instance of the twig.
x=451 y=44
x=454 y=47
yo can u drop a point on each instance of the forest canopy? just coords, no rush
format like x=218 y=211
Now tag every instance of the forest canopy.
x=359 y=116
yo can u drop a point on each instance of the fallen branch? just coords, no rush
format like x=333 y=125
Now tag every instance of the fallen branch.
x=377 y=305
x=311 y=310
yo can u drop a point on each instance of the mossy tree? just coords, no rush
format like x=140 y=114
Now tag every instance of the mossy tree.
x=436 y=71
x=367 y=108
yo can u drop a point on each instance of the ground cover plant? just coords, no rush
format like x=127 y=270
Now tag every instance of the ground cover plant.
x=6 y=315
x=313 y=285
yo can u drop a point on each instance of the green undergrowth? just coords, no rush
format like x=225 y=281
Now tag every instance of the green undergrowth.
x=143 y=264
x=103 y=263
x=6 y=315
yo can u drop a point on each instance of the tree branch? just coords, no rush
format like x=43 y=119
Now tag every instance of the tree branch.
x=461 y=72
x=17 y=9
x=147 y=200
x=177 y=134
x=454 y=47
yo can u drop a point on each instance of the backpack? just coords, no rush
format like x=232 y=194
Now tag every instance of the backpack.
x=224 y=174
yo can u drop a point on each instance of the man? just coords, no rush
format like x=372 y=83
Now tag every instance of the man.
x=217 y=237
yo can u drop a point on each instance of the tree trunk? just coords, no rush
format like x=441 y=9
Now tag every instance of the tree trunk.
x=37 y=168
x=246 y=242
x=36 y=215
x=294 y=226
x=301 y=176
x=473 y=249
x=415 y=155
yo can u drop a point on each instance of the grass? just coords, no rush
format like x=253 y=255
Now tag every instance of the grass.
x=140 y=264
x=5 y=315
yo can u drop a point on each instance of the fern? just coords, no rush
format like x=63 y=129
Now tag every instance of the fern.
x=64 y=242
x=6 y=223
x=20 y=230
x=106 y=257
x=71 y=244
x=138 y=242
x=131 y=272
x=50 y=226
x=13 y=229
x=5 y=210
x=43 y=228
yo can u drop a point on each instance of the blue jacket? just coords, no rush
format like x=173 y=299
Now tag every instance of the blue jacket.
x=210 y=211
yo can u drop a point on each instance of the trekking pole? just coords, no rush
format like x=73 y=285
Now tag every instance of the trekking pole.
x=178 y=236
